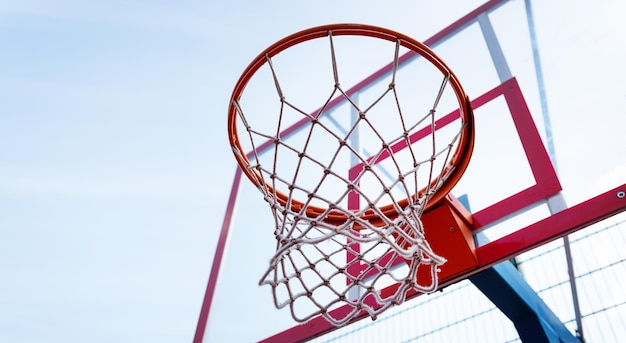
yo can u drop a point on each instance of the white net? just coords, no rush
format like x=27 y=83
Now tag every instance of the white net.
x=348 y=182
x=310 y=274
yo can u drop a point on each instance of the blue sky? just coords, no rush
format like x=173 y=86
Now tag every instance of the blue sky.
x=114 y=163
x=107 y=145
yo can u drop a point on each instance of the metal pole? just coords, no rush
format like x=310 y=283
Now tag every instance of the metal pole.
x=557 y=203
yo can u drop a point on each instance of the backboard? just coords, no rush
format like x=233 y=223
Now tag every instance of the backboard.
x=511 y=182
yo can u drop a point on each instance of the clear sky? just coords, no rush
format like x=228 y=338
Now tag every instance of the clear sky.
x=114 y=162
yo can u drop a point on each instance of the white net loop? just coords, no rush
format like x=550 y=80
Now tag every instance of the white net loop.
x=309 y=268
x=368 y=180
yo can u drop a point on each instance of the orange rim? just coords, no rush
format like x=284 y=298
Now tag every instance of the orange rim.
x=460 y=158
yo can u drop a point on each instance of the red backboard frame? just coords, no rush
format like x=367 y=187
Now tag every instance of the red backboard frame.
x=545 y=186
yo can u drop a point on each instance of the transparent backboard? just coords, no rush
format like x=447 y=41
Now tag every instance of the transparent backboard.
x=510 y=183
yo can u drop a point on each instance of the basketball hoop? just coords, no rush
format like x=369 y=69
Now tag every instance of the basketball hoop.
x=348 y=172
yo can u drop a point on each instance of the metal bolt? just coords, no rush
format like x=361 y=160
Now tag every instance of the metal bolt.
x=621 y=194
x=451 y=228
